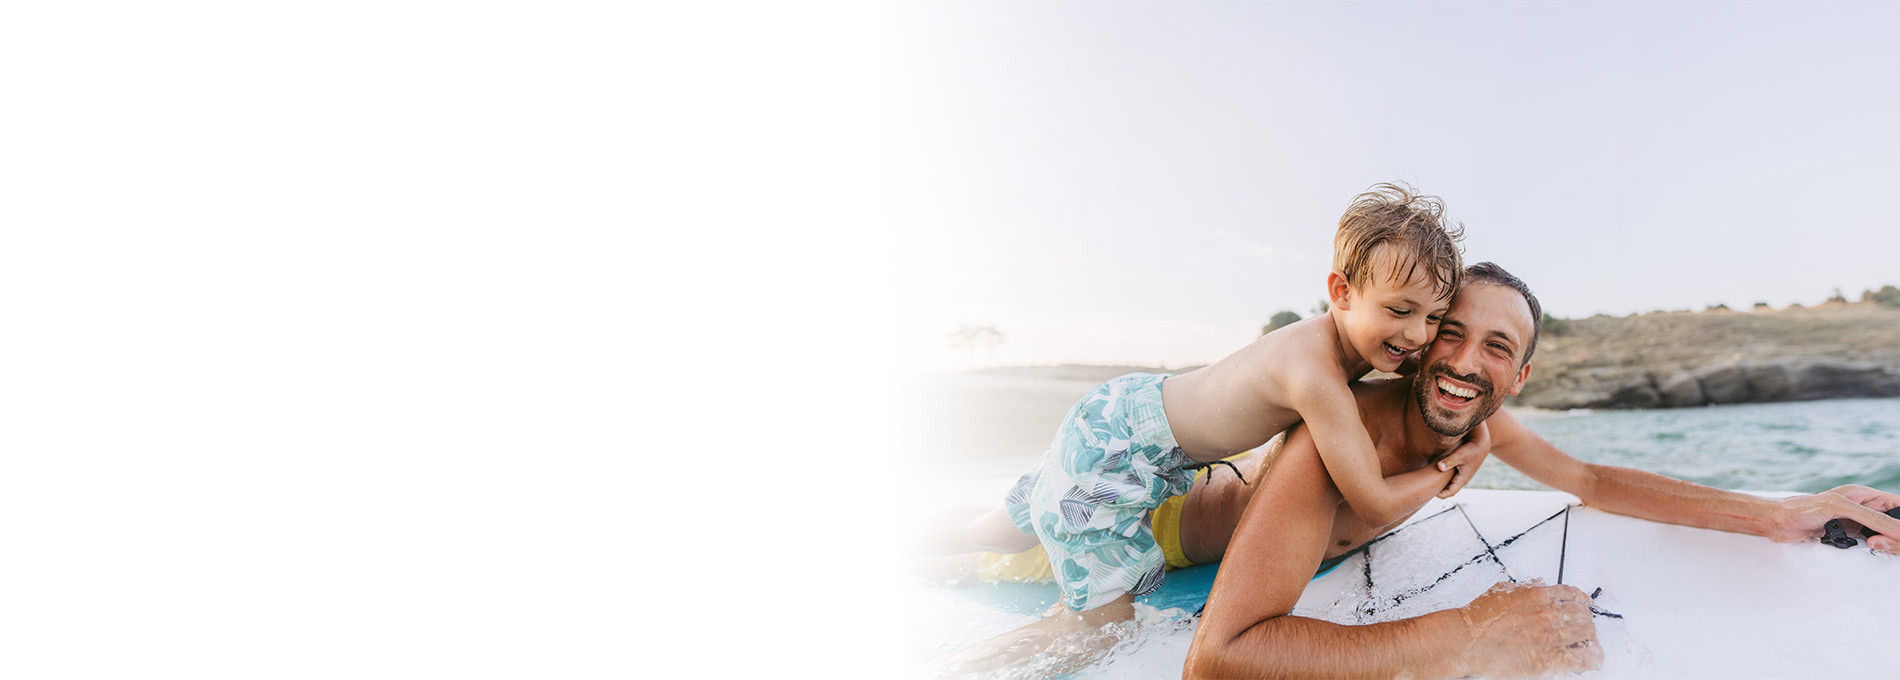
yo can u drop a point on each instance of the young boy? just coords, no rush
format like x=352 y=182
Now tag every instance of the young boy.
x=1134 y=441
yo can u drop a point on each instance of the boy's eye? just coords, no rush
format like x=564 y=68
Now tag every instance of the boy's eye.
x=1432 y=319
x=1399 y=312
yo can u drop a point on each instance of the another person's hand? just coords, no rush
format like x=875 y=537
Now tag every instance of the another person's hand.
x=1465 y=460
x=1520 y=630
x=1803 y=517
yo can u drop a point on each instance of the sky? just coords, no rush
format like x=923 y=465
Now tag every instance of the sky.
x=1147 y=183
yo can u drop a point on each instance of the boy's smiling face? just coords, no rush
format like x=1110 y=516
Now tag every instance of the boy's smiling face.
x=1394 y=313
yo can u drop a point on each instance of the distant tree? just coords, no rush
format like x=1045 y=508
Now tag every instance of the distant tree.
x=1761 y=305
x=1887 y=296
x=1281 y=319
x=1718 y=305
x=970 y=338
x=1554 y=325
x=1837 y=296
x=1322 y=307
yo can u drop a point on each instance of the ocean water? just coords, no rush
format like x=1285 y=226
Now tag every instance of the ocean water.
x=1804 y=446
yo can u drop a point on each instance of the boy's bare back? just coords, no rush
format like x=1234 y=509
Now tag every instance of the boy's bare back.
x=1238 y=403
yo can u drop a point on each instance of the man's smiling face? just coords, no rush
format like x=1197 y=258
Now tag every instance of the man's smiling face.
x=1476 y=360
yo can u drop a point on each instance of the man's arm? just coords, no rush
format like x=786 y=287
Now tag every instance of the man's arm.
x=1653 y=497
x=1248 y=630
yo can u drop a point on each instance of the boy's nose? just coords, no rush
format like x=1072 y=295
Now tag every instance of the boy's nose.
x=1416 y=335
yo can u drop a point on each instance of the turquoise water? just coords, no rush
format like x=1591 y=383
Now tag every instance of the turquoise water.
x=1795 y=446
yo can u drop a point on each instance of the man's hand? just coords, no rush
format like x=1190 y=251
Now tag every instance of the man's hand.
x=1802 y=517
x=1520 y=630
x=1466 y=459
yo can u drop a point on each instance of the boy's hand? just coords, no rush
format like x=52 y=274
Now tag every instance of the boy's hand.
x=1465 y=460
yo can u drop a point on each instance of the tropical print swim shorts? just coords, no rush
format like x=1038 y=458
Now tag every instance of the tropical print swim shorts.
x=1112 y=462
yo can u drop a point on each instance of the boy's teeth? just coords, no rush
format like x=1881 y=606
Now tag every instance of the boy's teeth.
x=1457 y=391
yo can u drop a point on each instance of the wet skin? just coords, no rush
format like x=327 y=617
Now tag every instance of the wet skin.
x=1213 y=509
x=1299 y=518
x=1238 y=403
x=1475 y=351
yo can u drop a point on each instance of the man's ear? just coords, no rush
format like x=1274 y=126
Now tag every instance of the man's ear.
x=1523 y=374
x=1338 y=293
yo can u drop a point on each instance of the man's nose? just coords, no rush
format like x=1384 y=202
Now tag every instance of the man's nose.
x=1464 y=359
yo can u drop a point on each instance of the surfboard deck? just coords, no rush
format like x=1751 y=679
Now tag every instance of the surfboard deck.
x=1671 y=601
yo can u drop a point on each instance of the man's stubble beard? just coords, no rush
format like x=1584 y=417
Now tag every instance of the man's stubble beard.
x=1425 y=391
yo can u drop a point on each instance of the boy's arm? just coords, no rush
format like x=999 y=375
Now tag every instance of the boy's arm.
x=1650 y=496
x=1332 y=415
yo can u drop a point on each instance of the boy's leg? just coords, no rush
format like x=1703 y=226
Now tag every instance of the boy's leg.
x=972 y=528
x=1088 y=503
x=993 y=531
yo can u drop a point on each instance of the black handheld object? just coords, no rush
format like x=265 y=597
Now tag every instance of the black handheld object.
x=1837 y=535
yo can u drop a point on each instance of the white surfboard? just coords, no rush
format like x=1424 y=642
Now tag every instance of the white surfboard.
x=1671 y=602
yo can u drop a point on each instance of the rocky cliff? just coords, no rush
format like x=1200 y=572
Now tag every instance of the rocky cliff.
x=1676 y=359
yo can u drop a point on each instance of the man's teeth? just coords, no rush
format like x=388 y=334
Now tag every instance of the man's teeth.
x=1456 y=390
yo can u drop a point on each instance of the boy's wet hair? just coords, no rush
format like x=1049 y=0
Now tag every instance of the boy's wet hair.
x=1416 y=227
x=1487 y=272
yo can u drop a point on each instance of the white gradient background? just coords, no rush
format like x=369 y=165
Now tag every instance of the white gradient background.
x=410 y=339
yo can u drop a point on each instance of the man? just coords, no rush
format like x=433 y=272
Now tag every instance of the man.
x=1296 y=519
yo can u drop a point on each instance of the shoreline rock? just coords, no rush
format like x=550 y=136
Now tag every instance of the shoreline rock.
x=1678 y=360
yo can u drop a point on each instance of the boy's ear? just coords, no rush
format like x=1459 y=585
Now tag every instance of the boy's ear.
x=1338 y=294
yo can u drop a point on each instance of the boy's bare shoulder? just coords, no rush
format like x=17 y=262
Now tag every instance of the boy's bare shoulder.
x=1291 y=369
x=1303 y=353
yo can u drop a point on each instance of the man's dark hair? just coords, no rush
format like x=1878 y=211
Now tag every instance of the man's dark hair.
x=1490 y=272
